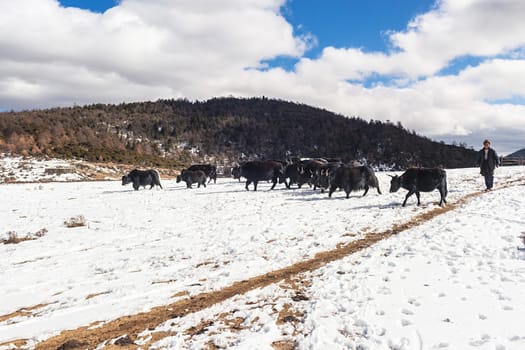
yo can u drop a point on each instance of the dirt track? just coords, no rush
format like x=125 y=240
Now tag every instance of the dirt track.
x=89 y=337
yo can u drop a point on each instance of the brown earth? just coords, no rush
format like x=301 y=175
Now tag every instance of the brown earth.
x=25 y=311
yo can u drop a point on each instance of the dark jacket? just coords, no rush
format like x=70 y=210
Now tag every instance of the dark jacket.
x=487 y=165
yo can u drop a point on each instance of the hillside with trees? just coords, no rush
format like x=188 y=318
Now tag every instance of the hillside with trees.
x=222 y=130
x=520 y=154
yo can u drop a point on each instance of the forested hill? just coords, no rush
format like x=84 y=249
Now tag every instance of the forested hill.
x=174 y=132
x=519 y=153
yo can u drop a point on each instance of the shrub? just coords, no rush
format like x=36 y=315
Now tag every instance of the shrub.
x=76 y=221
x=41 y=232
x=14 y=238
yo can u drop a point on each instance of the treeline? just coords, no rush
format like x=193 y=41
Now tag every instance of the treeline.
x=175 y=132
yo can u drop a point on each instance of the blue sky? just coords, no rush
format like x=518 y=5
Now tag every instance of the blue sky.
x=447 y=69
x=342 y=23
x=92 y=5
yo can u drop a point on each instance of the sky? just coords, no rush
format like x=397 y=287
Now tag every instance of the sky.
x=450 y=70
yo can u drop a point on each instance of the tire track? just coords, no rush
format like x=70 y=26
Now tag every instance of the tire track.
x=89 y=337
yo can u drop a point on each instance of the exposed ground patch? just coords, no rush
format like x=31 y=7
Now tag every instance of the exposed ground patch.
x=25 y=311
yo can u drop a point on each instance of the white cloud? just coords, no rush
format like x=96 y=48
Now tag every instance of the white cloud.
x=150 y=49
x=184 y=48
x=460 y=28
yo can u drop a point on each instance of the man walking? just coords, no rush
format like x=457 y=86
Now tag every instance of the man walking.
x=487 y=161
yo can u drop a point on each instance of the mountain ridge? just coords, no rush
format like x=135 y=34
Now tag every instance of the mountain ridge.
x=177 y=132
x=518 y=153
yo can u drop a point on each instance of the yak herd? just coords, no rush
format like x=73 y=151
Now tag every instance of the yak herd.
x=325 y=174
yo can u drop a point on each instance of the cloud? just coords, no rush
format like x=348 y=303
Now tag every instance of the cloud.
x=463 y=28
x=183 y=48
x=197 y=49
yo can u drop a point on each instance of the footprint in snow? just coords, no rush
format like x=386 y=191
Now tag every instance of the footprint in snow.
x=406 y=312
x=405 y=323
x=384 y=291
x=414 y=302
x=484 y=338
x=515 y=338
x=442 y=345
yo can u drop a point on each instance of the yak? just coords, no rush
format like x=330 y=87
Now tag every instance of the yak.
x=236 y=172
x=292 y=173
x=417 y=180
x=324 y=175
x=255 y=171
x=208 y=169
x=353 y=179
x=191 y=177
x=307 y=171
x=142 y=178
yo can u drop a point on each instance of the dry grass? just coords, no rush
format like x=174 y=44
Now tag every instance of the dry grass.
x=26 y=311
x=14 y=238
x=15 y=344
x=94 y=295
x=284 y=345
x=41 y=233
x=76 y=221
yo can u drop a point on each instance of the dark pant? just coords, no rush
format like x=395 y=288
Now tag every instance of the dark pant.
x=488 y=174
x=489 y=180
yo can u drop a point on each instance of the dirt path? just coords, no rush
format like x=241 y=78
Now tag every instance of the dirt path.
x=90 y=337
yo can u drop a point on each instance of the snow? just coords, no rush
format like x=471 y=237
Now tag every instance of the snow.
x=453 y=282
x=20 y=169
x=457 y=282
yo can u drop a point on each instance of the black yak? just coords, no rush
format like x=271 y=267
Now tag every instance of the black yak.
x=191 y=177
x=142 y=178
x=353 y=179
x=208 y=169
x=255 y=171
x=417 y=180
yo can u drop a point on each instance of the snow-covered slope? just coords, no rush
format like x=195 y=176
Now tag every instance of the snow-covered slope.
x=453 y=282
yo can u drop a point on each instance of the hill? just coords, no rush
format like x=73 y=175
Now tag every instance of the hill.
x=520 y=153
x=176 y=132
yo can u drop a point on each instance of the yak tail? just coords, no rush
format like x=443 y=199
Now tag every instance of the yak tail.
x=444 y=179
x=213 y=173
x=370 y=176
x=157 y=178
x=373 y=182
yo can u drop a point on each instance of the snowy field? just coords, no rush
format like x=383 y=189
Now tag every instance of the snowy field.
x=18 y=169
x=456 y=281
